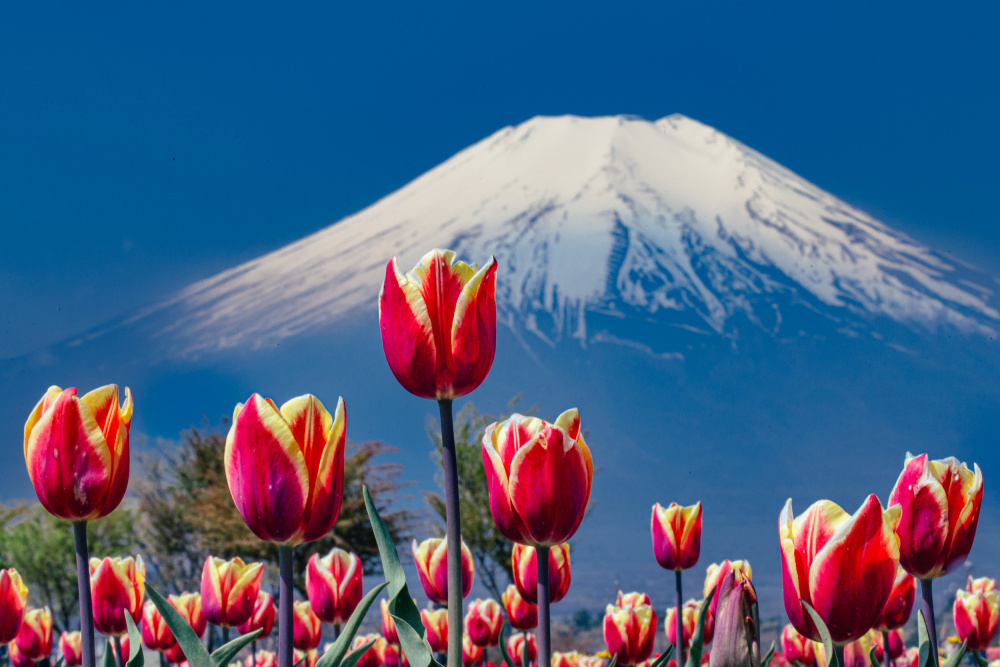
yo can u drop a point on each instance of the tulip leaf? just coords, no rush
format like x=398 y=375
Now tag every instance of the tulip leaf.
x=503 y=647
x=698 y=638
x=418 y=651
x=336 y=653
x=351 y=659
x=824 y=633
x=871 y=657
x=614 y=661
x=301 y=662
x=664 y=657
x=62 y=661
x=976 y=658
x=109 y=655
x=770 y=653
x=925 y=658
x=134 y=657
x=196 y=654
x=956 y=656
x=225 y=653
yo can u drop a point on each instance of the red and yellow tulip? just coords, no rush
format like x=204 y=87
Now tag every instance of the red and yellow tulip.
x=18 y=659
x=896 y=611
x=431 y=559
x=333 y=584
x=439 y=324
x=391 y=655
x=436 y=623
x=262 y=659
x=797 y=647
x=472 y=654
x=539 y=477
x=308 y=632
x=155 y=633
x=71 y=647
x=981 y=585
x=522 y=614
x=307 y=658
x=483 y=622
x=34 y=639
x=188 y=605
x=629 y=632
x=77 y=453
x=676 y=534
x=229 y=590
x=576 y=659
x=940 y=503
x=117 y=587
x=842 y=565
x=633 y=599
x=13 y=601
x=369 y=658
x=516 y=645
x=388 y=625
x=262 y=618
x=976 y=617
x=689 y=619
x=525 y=567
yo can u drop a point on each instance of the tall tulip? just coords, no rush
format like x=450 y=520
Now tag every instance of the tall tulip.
x=436 y=623
x=525 y=566
x=229 y=590
x=117 y=586
x=13 y=600
x=388 y=625
x=737 y=631
x=689 y=619
x=676 y=533
x=77 y=453
x=518 y=644
x=522 y=614
x=976 y=617
x=629 y=633
x=483 y=623
x=188 y=605
x=797 y=647
x=34 y=639
x=333 y=585
x=308 y=632
x=286 y=474
x=71 y=647
x=842 y=565
x=155 y=633
x=472 y=654
x=431 y=559
x=940 y=503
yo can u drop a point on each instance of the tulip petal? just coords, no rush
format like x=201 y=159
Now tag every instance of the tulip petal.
x=507 y=522
x=923 y=529
x=327 y=479
x=474 y=331
x=114 y=423
x=51 y=394
x=407 y=338
x=569 y=421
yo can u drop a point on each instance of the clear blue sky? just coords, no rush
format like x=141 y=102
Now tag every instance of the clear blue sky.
x=142 y=147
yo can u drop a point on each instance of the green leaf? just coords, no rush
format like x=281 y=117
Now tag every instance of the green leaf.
x=956 y=656
x=664 y=657
x=60 y=662
x=134 y=657
x=503 y=647
x=979 y=659
x=335 y=655
x=109 y=654
x=614 y=661
x=924 y=642
x=416 y=648
x=223 y=655
x=196 y=654
x=698 y=639
x=824 y=633
x=871 y=657
x=351 y=659
x=300 y=662
x=770 y=655
x=797 y=663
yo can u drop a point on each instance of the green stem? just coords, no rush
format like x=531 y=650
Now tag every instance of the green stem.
x=285 y=596
x=927 y=594
x=119 y=658
x=453 y=518
x=544 y=645
x=679 y=624
x=838 y=650
x=86 y=602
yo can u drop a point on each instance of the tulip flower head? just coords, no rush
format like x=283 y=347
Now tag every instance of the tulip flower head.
x=676 y=534
x=388 y=624
x=391 y=655
x=525 y=566
x=539 y=477
x=333 y=584
x=940 y=503
x=34 y=639
x=439 y=324
x=229 y=590
x=797 y=647
x=117 y=586
x=263 y=659
x=472 y=655
x=981 y=585
x=431 y=559
x=436 y=623
x=308 y=632
x=896 y=611
x=13 y=601
x=522 y=614
x=629 y=632
x=262 y=618
x=736 y=642
x=155 y=633
x=71 y=647
x=516 y=646
x=188 y=606
x=483 y=622
x=842 y=565
x=976 y=617
x=369 y=658
x=77 y=453
x=286 y=468
x=689 y=619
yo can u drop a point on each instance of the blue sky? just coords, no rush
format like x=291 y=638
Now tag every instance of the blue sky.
x=142 y=148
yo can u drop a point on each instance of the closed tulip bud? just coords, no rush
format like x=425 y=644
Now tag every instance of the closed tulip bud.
x=388 y=625
x=34 y=639
x=117 y=586
x=13 y=601
x=439 y=324
x=175 y=655
x=229 y=590
x=307 y=627
x=797 y=647
x=155 y=633
x=940 y=503
x=188 y=606
x=629 y=633
x=676 y=535
x=436 y=623
x=896 y=646
x=737 y=631
x=431 y=559
x=333 y=584
x=842 y=565
x=516 y=645
x=525 y=566
x=976 y=617
x=483 y=622
x=633 y=599
x=307 y=658
x=689 y=619
x=981 y=585
x=539 y=477
x=391 y=655
x=18 y=659
x=262 y=618
x=472 y=655
x=522 y=614
x=896 y=611
x=77 y=453
x=71 y=647
x=262 y=659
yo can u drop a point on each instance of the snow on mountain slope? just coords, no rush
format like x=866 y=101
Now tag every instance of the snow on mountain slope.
x=671 y=220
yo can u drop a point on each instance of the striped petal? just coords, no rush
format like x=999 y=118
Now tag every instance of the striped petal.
x=117 y=587
x=34 y=639
x=497 y=478
x=474 y=331
x=407 y=337
x=13 y=598
x=923 y=528
x=114 y=422
x=327 y=479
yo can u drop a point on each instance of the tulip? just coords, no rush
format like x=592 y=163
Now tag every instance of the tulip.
x=525 y=567
x=431 y=559
x=842 y=565
x=333 y=584
x=896 y=646
x=262 y=659
x=436 y=624
x=689 y=619
x=175 y=655
x=229 y=590
x=676 y=535
x=633 y=599
x=71 y=647
x=522 y=614
x=307 y=658
x=737 y=632
x=262 y=618
x=391 y=655
x=188 y=606
x=483 y=622
x=516 y=647
x=976 y=617
x=981 y=585
x=18 y=659
x=797 y=647
x=897 y=609
x=13 y=600
x=388 y=625
x=576 y=659
x=155 y=633
x=34 y=639
x=472 y=654
x=117 y=586
x=629 y=633
x=307 y=627
x=369 y=658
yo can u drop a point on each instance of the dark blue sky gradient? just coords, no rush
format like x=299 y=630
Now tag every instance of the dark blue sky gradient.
x=143 y=148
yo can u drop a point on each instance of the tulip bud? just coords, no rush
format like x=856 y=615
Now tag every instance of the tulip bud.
x=391 y=655
x=539 y=477
x=155 y=633
x=522 y=614
x=77 y=453
x=976 y=617
x=515 y=648
x=117 y=586
x=388 y=625
x=940 y=503
x=71 y=647
x=436 y=624
x=689 y=619
x=13 y=600
x=333 y=584
x=629 y=633
x=483 y=622
x=34 y=639
x=262 y=618
x=263 y=659
x=714 y=575
x=188 y=606
x=307 y=627
x=439 y=324
x=797 y=647
x=525 y=566
x=737 y=631
x=431 y=559
x=369 y=658
x=676 y=535
x=472 y=655
x=229 y=590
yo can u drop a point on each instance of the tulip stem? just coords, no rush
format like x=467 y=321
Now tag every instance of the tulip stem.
x=285 y=596
x=886 y=653
x=225 y=635
x=119 y=658
x=679 y=622
x=86 y=603
x=542 y=558
x=928 y=595
x=838 y=650
x=453 y=518
x=525 y=654
x=253 y=653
